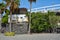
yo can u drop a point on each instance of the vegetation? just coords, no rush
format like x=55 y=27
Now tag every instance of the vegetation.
x=9 y=34
x=2 y=6
x=43 y=22
x=5 y=17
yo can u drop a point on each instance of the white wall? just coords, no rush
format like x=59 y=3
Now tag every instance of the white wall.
x=17 y=17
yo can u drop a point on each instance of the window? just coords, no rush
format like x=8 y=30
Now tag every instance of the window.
x=21 y=17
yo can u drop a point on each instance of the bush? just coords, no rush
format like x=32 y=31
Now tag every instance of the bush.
x=9 y=33
x=40 y=22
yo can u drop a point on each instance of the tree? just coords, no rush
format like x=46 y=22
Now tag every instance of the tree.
x=30 y=13
x=53 y=19
x=40 y=22
x=13 y=5
x=2 y=5
x=5 y=17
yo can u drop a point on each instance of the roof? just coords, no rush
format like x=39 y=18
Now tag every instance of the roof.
x=20 y=11
x=58 y=13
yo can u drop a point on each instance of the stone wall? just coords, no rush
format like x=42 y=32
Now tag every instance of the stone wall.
x=19 y=28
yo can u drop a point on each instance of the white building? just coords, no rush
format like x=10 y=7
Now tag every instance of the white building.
x=19 y=16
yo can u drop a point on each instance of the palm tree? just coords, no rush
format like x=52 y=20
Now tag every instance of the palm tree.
x=30 y=13
x=13 y=5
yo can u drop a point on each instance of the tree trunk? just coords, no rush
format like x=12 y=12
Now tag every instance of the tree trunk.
x=11 y=15
x=10 y=20
x=0 y=18
x=30 y=17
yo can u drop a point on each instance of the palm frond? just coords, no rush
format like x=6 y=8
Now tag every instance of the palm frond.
x=32 y=0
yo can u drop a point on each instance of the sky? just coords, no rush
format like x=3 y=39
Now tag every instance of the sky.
x=39 y=3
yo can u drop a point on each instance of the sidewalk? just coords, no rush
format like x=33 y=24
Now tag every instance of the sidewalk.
x=43 y=36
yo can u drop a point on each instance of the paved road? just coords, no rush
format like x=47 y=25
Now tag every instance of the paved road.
x=31 y=37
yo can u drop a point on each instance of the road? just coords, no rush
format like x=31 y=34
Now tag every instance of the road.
x=42 y=36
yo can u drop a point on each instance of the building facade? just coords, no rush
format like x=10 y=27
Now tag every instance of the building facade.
x=19 y=21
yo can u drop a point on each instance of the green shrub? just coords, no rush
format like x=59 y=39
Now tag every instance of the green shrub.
x=40 y=21
x=9 y=33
